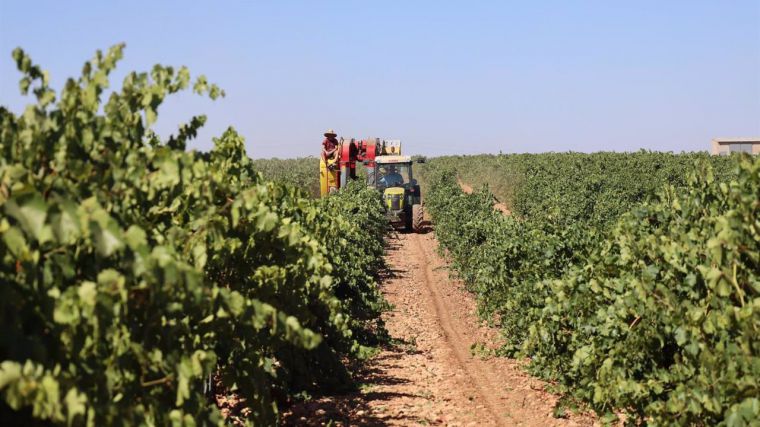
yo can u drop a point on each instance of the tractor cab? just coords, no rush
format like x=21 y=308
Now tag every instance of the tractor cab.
x=393 y=177
x=393 y=171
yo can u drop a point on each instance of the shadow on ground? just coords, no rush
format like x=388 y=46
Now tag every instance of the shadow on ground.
x=425 y=227
x=353 y=409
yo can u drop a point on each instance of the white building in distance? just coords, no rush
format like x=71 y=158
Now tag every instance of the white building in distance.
x=726 y=146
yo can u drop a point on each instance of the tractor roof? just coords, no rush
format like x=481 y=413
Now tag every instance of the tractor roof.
x=393 y=159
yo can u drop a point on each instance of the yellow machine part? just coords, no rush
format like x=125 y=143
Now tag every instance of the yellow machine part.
x=394 y=191
x=389 y=148
x=328 y=176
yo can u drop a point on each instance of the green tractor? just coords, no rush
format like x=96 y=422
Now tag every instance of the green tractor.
x=394 y=179
x=387 y=171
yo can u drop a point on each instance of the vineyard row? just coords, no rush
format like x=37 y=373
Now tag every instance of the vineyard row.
x=629 y=280
x=140 y=280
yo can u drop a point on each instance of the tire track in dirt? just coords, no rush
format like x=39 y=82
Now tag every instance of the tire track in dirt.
x=455 y=340
x=512 y=396
x=430 y=375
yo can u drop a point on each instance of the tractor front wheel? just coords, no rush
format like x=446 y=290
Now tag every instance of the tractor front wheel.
x=417 y=217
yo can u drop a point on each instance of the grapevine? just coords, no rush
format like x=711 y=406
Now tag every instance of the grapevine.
x=629 y=279
x=134 y=269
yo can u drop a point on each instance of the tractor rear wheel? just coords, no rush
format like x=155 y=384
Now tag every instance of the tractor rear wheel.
x=417 y=217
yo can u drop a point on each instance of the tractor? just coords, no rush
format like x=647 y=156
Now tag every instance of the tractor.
x=387 y=171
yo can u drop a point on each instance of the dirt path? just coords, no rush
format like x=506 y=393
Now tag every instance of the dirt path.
x=432 y=375
x=499 y=206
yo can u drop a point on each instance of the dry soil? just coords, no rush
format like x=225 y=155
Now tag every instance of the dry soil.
x=438 y=371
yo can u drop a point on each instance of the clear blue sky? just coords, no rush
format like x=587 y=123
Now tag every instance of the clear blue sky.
x=445 y=77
